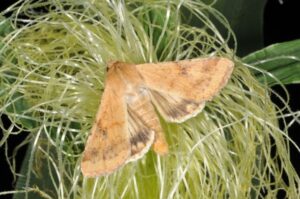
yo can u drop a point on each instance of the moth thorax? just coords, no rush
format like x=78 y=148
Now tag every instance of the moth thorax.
x=133 y=94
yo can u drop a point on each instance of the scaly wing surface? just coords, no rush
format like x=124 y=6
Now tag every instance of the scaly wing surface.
x=180 y=89
x=108 y=146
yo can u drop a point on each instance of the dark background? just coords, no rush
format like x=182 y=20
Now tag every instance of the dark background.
x=281 y=23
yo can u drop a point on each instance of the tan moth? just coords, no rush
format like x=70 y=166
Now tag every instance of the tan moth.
x=126 y=124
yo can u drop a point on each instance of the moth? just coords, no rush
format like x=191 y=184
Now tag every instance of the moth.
x=127 y=125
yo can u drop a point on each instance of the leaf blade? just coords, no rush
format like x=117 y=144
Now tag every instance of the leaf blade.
x=282 y=60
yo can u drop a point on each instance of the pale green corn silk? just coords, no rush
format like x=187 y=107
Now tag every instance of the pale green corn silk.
x=52 y=78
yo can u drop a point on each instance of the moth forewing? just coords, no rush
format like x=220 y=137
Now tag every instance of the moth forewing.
x=108 y=146
x=180 y=89
x=195 y=79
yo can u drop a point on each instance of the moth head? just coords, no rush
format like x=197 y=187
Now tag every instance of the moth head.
x=110 y=65
x=113 y=64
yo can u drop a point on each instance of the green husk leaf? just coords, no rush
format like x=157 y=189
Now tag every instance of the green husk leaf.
x=5 y=26
x=281 y=60
x=36 y=182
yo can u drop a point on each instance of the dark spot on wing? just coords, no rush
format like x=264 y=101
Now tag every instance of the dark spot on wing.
x=184 y=108
x=209 y=64
x=183 y=69
x=101 y=132
x=140 y=137
x=94 y=152
x=91 y=154
x=104 y=156
x=177 y=109
x=139 y=131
